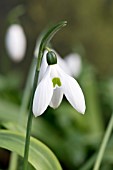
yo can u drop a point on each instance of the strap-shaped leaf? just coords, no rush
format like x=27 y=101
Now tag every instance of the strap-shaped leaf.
x=40 y=156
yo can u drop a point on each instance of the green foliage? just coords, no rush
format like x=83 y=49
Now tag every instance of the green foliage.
x=74 y=138
x=15 y=141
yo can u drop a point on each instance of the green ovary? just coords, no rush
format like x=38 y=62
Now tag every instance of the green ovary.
x=56 y=81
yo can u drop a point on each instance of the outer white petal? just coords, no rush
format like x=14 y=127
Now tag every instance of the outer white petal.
x=56 y=98
x=16 y=42
x=74 y=63
x=62 y=63
x=73 y=92
x=43 y=94
x=43 y=67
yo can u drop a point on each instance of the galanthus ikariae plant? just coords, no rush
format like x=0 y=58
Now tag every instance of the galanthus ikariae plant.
x=50 y=83
x=50 y=78
x=54 y=83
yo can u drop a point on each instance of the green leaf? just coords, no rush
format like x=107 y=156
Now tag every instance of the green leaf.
x=90 y=86
x=10 y=118
x=40 y=156
x=8 y=111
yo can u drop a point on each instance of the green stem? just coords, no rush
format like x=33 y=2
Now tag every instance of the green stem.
x=27 y=92
x=25 y=99
x=13 y=161
x=49 y=34
x=89 y=163
x=29 y=124
x=104 y=144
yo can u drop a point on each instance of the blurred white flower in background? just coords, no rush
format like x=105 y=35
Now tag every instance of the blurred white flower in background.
x=74 y=64
x=16 y=42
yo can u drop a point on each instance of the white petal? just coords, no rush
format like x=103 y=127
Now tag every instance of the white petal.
x=73 y=92
x=54 y=72
x=62 y=63
x=16 y=42
x=56 y=98
x=43 y=67
x=74 y=64
x=43 y=94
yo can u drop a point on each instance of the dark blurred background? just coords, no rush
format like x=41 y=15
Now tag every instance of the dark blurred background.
x=90 y=27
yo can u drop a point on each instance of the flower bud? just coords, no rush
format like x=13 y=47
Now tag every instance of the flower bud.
x=51 y=58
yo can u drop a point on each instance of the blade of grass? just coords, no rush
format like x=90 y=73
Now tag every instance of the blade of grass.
x=104 y=144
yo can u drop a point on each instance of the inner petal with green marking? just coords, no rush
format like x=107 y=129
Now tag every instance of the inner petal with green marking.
x=56 y=81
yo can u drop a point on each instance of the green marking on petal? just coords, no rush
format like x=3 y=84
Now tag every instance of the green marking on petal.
x=56 y=81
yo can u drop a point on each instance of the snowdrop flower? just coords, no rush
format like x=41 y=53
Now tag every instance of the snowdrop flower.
x=74 y=63
x=16 y=42
x=71 y=64
x=61 y=62
x=52 y=85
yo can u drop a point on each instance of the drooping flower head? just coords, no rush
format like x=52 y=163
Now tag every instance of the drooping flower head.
x=53 y=84
x=71 y=64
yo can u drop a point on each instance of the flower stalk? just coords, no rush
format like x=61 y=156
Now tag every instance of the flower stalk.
x=47 y=37
x=104 y=144
x=29 y=124
x=23 y=108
